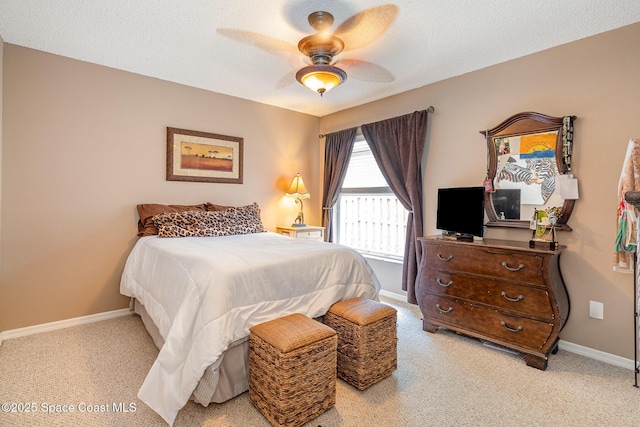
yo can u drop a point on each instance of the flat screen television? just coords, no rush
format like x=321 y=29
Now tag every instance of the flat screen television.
x=461 y=212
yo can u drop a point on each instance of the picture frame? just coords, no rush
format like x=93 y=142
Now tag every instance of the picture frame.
x=197 y=156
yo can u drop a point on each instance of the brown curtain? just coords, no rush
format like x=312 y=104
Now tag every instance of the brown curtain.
x=337 y=152
x=397 y=145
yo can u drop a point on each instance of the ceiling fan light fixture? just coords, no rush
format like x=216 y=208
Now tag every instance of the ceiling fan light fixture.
x=321 y=78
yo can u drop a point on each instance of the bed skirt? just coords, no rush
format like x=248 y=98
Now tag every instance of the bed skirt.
x=222 y=381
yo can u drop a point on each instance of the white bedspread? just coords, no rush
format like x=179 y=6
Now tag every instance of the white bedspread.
x=204 y=293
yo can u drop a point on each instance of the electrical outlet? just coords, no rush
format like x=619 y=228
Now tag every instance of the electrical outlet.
x=596 y=310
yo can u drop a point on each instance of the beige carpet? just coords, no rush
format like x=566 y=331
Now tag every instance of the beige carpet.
x=443 y=379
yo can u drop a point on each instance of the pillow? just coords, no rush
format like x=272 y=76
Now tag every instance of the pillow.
x=230 y=221
x=214 y=208
x=147 y=211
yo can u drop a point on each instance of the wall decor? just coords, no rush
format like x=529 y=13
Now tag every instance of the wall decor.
x=527 y=155
x=203 y=157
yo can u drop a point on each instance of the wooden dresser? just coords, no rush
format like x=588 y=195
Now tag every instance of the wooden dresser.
x=496 y=290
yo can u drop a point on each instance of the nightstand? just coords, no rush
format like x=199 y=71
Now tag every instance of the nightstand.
x=308 y=232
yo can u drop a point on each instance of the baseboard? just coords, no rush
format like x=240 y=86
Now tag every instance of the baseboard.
x=393 y=295
x=61 y=324
x=609 y=358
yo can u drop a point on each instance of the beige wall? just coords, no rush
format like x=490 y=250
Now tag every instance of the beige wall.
x=83 y=144
x=1 y=85
x=595 y=79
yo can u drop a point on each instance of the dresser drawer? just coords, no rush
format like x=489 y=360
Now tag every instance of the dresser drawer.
x=492 y=324
x=523 y=300
x=511 y=266
x=309 y=234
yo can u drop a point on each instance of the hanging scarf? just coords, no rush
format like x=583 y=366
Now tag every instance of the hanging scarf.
x=626 y=240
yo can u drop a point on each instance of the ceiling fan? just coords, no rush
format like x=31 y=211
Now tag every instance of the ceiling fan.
x=320 y=49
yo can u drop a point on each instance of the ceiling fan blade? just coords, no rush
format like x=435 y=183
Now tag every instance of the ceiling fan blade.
x=365 y=71
x=298 y=60
x=367 y=26
x=286 y=80
x=270 y=44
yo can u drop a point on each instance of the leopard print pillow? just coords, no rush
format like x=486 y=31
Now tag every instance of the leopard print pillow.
x=234 y=220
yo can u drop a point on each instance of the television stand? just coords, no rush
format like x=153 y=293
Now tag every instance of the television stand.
x=452 y=235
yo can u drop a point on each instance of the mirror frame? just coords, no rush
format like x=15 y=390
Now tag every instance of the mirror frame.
x=525 y=124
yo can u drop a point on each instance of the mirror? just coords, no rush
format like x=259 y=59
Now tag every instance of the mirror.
x=525 y=153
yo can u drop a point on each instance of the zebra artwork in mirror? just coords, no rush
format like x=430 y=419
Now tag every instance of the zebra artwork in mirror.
x=525 y=155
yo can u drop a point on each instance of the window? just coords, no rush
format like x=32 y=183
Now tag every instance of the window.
x=368 y=216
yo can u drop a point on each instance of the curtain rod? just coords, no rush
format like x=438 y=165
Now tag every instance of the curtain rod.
x=431 y=109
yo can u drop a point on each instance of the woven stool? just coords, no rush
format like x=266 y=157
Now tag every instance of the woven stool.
x=292 y=369
x=366 y=340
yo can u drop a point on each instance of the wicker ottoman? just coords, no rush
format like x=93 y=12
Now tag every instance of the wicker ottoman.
x=292 y=369
x=366 y=340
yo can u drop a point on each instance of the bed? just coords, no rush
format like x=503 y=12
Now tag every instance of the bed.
x=198 y=295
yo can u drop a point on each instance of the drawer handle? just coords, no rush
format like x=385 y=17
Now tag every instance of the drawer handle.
x=444 y=311
x=445 y=259
x=509 y=328
x=444 y=285
x=520 y=297
x=518 y=268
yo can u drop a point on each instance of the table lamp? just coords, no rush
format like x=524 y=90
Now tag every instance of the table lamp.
x=298 y=190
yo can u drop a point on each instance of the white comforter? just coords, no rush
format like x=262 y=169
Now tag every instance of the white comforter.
x=204 y=293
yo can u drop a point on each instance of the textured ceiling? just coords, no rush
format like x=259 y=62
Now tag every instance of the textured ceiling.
x=247 y=48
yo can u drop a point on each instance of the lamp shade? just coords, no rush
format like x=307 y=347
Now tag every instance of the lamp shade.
x=298 y=189
x=321 y=78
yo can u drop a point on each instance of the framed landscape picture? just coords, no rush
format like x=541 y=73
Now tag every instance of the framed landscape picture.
x=203 y=157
